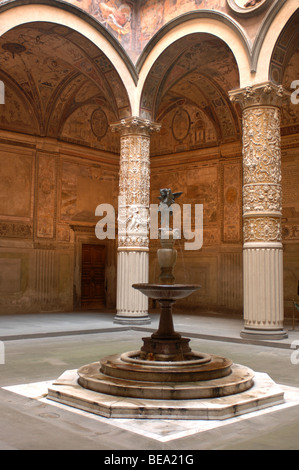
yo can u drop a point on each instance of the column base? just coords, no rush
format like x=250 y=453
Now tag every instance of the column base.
x=255 y=333
x=132 y=320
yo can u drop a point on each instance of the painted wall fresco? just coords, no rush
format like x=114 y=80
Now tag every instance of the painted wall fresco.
x=46 y=196
x=191 y=102
x=83 y=187
x=183 y=128
x=16 y=185
x=134 y=23
x=156 y=13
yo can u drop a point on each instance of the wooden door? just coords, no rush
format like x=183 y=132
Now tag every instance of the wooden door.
x=93 y=277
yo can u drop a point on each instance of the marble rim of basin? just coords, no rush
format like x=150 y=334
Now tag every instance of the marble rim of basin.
x=197 y=358
x=166 y=291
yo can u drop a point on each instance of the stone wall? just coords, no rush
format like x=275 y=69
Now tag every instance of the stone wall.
x=49 y=193
x=213 y=177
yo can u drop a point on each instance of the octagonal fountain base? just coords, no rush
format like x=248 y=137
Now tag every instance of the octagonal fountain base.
x=264 y=393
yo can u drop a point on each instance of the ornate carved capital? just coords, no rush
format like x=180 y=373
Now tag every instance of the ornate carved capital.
x=135 y=126
x=262 y=94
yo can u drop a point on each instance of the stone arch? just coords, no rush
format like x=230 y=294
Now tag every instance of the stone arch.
x=193 y=77
x=268 y=39
x=217 y=24
x=283 y=70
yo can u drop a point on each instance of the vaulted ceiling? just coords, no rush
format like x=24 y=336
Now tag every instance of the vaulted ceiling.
x=187 y=91
x=60 y=85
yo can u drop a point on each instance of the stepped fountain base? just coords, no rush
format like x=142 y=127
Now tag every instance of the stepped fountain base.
x=120 y=378
x=264 y=393
x=165 y=378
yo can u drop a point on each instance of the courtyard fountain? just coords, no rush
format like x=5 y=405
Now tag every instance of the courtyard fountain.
x=165 y=378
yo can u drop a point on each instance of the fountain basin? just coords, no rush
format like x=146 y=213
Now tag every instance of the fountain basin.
x=165 y=291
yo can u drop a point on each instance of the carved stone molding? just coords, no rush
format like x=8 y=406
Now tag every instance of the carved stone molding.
x=262 y=94
x=135 y=125
x=262 y=198
x=261 y=145
x=262 y=229
x=15 y=230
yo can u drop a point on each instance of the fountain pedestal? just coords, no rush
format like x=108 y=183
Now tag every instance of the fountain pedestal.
x=165 y=344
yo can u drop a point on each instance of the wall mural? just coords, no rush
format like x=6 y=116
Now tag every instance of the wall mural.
x=134 y=23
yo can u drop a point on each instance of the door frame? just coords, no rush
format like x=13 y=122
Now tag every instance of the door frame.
x=83 y=235
x=91 y=303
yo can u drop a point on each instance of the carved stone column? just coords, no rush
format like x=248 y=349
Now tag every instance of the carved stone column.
x=133 y=218
x=262 y=211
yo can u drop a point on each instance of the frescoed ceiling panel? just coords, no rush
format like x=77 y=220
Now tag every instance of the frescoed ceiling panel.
x=58 y=73
x=134 y=22
x=189 y=83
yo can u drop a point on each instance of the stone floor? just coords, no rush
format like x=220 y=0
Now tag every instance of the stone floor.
x=39 y=348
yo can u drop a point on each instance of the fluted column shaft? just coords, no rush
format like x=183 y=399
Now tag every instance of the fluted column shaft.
x=262 y=211
x=133 y=218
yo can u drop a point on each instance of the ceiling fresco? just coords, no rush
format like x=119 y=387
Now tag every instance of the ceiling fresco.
x=60 y=85
x=187 y=91
x=66 y=86
x=134 y=22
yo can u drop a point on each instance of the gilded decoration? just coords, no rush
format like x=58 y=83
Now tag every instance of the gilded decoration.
x=262 y=197
x=262 y=229
x=134 y=181
x=262 y=192
x=261 y=145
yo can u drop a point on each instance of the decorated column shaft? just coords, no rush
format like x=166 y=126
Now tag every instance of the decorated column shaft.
x=133 y=218
x=262 y=210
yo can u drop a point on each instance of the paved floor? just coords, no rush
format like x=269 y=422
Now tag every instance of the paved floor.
x=39 y=348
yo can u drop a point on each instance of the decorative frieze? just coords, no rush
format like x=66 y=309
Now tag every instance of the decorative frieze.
x=262 y=229
x=16 y=230
x=262 y=198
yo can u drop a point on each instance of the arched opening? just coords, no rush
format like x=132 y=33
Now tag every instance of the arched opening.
x=59 y=161
x=198 y=151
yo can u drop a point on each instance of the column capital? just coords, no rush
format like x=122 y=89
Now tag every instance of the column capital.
x=261 y=94
x=135 y=126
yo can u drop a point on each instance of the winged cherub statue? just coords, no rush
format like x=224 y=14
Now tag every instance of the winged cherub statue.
x=168 y=197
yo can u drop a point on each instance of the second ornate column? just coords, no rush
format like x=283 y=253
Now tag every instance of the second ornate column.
x=133 y=218
x=262 y=211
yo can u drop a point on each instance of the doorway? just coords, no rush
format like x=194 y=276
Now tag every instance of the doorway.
x=93 y=292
